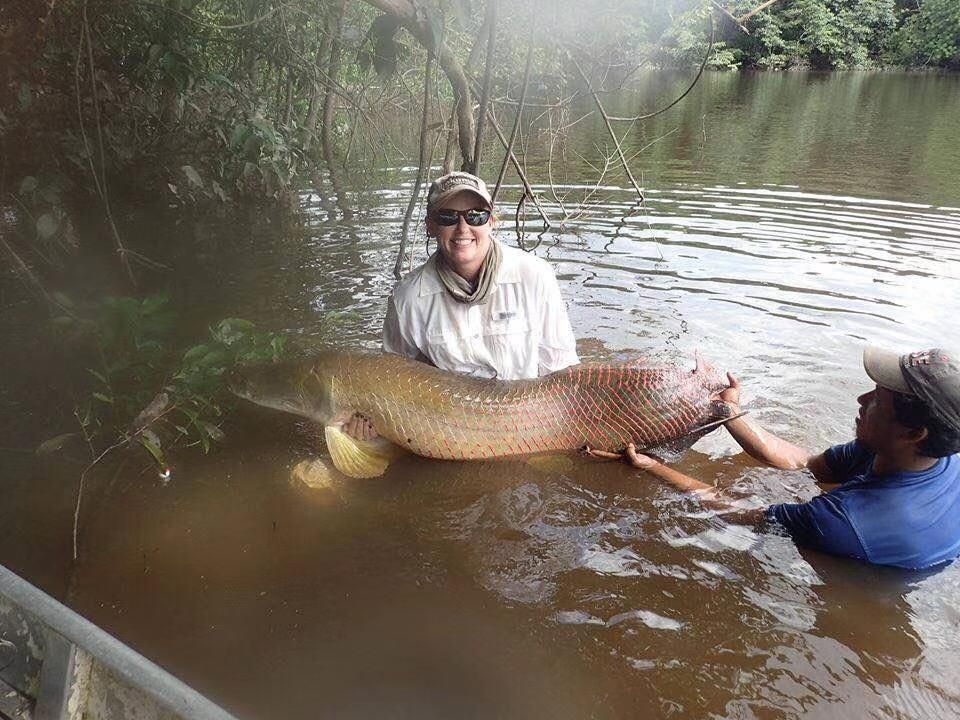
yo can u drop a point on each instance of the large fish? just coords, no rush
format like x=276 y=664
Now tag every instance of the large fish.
x=439 y=414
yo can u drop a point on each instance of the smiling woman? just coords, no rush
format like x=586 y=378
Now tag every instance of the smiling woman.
x=476 y=306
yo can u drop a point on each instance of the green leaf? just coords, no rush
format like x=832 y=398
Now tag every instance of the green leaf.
x=55 y=444
x=28 y=184
x=213 y=431
x=25 y=96
x=98 y=376
x=61 y=299
x=47 y=226
x=154 y=449
x=193 y=176
x=238 y=135
x=195 y=353
x=103 y=398
x=153 y=54
x=218 y=191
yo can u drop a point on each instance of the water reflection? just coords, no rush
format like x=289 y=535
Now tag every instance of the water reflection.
x=789 y=218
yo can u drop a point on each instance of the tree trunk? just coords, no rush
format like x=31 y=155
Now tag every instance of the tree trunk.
x=416 y=20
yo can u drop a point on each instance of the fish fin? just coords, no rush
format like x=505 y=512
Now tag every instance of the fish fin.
x=314 y=473
x=359 y=458
x=673 y=450
x=553 y=464
x=670 y=452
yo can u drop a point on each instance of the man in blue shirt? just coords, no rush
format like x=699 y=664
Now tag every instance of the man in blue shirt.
x=894 y=496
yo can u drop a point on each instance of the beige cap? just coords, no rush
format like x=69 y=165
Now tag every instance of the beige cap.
x=446 y=186
x=883 y=367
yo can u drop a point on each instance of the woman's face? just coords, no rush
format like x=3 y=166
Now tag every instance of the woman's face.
x=463 y=246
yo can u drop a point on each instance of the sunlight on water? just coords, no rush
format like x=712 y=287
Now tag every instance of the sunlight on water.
x=501 y=590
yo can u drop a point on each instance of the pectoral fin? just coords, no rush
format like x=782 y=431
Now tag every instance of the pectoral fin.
x=359 y=458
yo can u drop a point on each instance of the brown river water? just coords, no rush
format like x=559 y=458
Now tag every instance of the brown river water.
x=789 y=219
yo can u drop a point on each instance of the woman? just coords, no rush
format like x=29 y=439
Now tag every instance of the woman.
x=476 y=306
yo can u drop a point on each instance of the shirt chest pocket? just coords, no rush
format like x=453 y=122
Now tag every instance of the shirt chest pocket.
x=497 y=348
x=505 y=324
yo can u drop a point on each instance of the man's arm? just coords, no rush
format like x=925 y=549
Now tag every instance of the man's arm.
x=764 y=446
x=757 y=442
x=708 y=494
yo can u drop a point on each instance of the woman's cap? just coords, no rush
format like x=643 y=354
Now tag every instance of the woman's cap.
x=446 y=186
x=933 y=376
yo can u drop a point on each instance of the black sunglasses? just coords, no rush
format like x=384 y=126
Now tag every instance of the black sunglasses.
x=447 y=218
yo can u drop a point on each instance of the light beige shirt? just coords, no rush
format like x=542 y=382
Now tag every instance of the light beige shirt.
x=520 y=331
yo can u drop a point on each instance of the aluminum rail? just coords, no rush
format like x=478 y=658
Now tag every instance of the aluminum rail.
x=83 y=668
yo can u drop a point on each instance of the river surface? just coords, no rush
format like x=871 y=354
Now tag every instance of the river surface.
x=789 y=219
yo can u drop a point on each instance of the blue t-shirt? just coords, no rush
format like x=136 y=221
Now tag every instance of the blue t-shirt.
x=909 y=520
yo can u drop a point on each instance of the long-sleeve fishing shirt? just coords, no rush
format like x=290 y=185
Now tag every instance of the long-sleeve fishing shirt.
x=520 y=331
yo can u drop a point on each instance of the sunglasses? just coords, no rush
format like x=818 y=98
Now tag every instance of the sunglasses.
x=448 y=218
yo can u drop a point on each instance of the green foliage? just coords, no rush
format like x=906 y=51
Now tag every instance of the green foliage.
x=45 y=229
x=220 y=101
x=143 y=388
x=826 y=34
x=930 y=36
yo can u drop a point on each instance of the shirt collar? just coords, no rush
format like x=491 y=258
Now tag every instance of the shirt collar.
x=430 y=284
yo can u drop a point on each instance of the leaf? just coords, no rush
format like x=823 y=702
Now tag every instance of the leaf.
x=173 y=188
x=55 y=444
x=28 y=184
x=151 y=412
x=47 y=226
x=364 y=60
x=25 y=96
x=103 y=398
x=382 y=34
x=195 y=353
x=213 y=431
x=153 y=447
x=218 y=191
x=61 y=299
x=153 y=54
x=238 y=135
x=98 y=376
x=192 y=175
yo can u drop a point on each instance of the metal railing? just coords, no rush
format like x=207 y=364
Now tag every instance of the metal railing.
x=56 y=665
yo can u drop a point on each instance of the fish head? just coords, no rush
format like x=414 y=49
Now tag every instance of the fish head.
x=708 y=385
x=707 y=378
x=301 y=388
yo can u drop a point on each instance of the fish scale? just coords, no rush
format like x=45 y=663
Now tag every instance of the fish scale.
x=443 y=415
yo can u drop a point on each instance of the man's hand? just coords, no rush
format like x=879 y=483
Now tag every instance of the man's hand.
x=639 y=460
x=359 y=428
x=731 y=396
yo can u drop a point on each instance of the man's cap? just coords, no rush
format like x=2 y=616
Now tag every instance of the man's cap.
x=933 y=376
x=446 y=186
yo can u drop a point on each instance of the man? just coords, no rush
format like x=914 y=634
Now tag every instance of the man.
x=895 y=497
x=476 y=306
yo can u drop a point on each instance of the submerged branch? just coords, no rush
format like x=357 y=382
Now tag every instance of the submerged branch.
x=100 y=183
x=606 y=120
x=491 y=22
x=516 y=124
x=421 y=168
